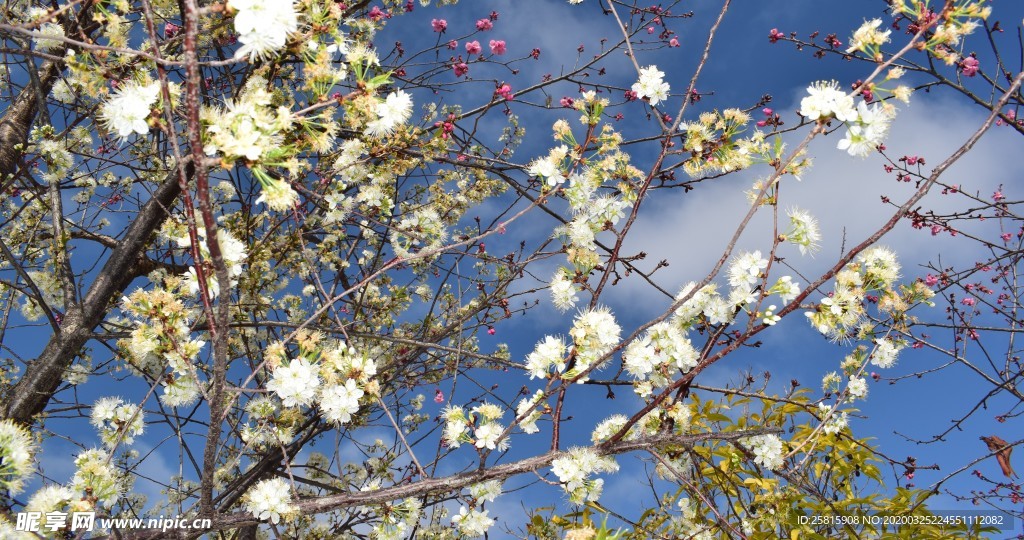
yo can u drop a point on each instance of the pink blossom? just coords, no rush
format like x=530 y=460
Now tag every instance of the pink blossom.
x=566 y=102
x=968 y=301
x=931 y=280
x=1006 y=236
x=491 y=331
x=473 y=47
x=497 y=46
x=484 y=24
x=438 y=396
x=969 y=66
x=998 y=196
x=630 y=95
x=650 y=29
x=460 y=68
x=767 y=111
x=936 y=229
x=674 y=42
x=439 y=25
x=505 y=91
x=453 y=44
x=376 y=14
x=775 y=35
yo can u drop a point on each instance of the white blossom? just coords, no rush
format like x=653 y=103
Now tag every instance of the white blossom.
x=263 y=26
x=340 y=401
x=651 y=85
x=547 y=354
x=826 y=100
x=767 y=450
x=295 y=383
x=269 y=499
x=472 y=523
x=857 y=387
x=394 y=111
x=128 y=110
x=885 y=353
x=16 y=449
x=563 y=292
x=117 y=421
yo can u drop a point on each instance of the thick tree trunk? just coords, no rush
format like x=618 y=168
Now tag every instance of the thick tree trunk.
x=43 y=375
x=17 y=120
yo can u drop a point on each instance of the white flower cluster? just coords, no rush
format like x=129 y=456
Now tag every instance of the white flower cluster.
x=706 y=302
x=843 y=309
x=745 y=271
x=336 y=383
x=826 y=100
x=55 y=154
x=662 y=351
x=563 y=292
x=49 y=285
x=277 y=194
x=868 y=37
x=398 y=520
x=574 y=468
x=162 y=337
x=593 y=215
x=340 y=401
x=232 y=251
x=46 y=33
x=549 y=353
x=651 y=85
x=248 y=127
x=767 y=450
x=128 y=110
x=550 y=167
x=804 y=231
x=485 y=492
x=16 y=449
x=857 y=388
x=96 y=476
x=52 y=498
x=876 y=269
x=786 y=288
x=117 y=421
x=265 y=430
x=885 y=353
x=480 y=427
x=472 y=523
x=419 y=230
x=263 y=26
x=296 y=384
x=270 y=499
x=608 y=427
x=880 y=266
x=392 y=112
x=868 y=131
x=835 y=423
x=529 y=423
x=594 y=332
